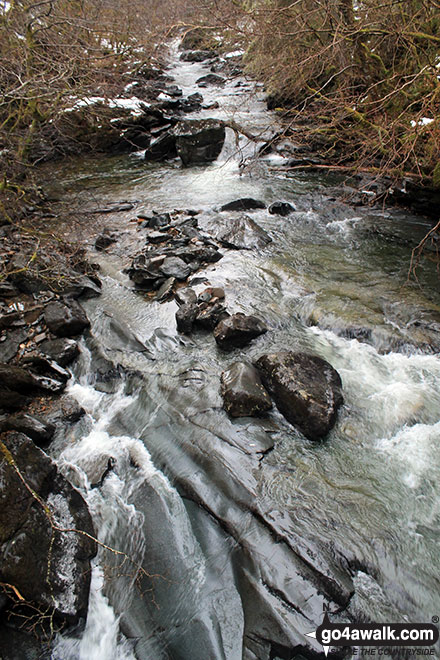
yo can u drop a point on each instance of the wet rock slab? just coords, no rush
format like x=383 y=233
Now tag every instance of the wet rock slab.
x=31 y=548
x=306 y=389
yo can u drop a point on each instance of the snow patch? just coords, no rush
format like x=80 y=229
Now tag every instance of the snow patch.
x=235 y=53
x=133 y=104
x=424 y=121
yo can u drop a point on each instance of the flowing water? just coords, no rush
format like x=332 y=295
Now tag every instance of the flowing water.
x=244 y=529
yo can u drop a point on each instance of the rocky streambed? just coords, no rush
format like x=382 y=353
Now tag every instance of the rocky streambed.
x=249 y=395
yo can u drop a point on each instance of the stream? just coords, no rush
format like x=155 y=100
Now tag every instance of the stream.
x=245 y=530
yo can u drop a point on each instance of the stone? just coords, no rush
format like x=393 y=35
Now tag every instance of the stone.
x=212 y=292
x=17 y=379
x=195 y=98
x=71 y=411
x=196 y=55
x=155 y=221
x=243 y=204
x=185 y=296
x=175 y=267
x=281 y=208
x=199 y=140
x=306 y=389
x=65 y=320
x=63 y=351
x=173 y=90
x=211 y=79
x=162 y=148
x=238 y=330
x=209 y=315
x=83 y=287
x=157 y=237
x=243 y=392
x=48 y=567
x=239 y=232
x=104 y=241
x=185 y=317
x=166 y=289
x=40 y=431
x=11 y=344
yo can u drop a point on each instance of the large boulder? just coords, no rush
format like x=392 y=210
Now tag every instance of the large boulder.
x=17 y=384
x=66 y=320
x=211 y=79
x=243 y=392
x=47 y=566
x=239 y=232
x=162 y=148
x=281 y=208
x=40 y=431
x=306 y=389
x=243 y=204
x=238 y=330
x=63 y=350
x=199 y=140
x=196 y=55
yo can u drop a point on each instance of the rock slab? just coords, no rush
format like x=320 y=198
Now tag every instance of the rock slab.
x=31 y=547
x=306 y=389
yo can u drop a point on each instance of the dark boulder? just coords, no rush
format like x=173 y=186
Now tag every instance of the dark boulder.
x=49 y=567
x=306 y=389
x=162 y=148
x=144 y=271
x=211 y=79
x=196 y=55
x=209 y=315
x=83 y=287
x=71 y=411
x=239 y=232
x=40 y=431
x=17 y=384
x=185 y=317
x=42 y=366
x=243 y=392
x=157 y=237
x=195 y=38
x=175 y=267
x=156 y=220
x=195 y=98
x=281 y=208
x=238 y=330
x=65 y=320
x=173 y=90
x=104 y=240
x=243 y=204
x=185 y=296
x=63 y=351
x=199 y=140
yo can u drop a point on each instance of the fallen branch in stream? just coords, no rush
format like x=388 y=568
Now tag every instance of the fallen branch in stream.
x=433 y=235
